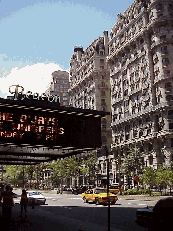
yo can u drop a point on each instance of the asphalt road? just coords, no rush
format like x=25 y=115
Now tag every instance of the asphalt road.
x=69 y=209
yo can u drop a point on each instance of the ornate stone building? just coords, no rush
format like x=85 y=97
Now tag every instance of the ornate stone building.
x=141 y=71
x=90 y=88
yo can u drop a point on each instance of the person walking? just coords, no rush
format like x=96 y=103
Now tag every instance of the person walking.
x=7 y=197
x=24 y=201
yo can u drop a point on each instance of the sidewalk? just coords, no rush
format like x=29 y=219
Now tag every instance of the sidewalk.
x=39 y=220
x=141 y=197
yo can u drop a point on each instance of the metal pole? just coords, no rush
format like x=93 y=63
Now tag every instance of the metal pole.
x=2 y=177
x=107 y=155
x=23 y=178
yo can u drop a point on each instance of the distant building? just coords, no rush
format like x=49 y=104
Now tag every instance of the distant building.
x=59 y=86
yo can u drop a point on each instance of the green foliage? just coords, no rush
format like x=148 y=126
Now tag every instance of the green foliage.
x=131 y=162
x=13 y=174
x=89 y=167
x=63 y=168
x=149 y=176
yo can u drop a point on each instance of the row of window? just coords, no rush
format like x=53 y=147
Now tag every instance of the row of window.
x=61 y=81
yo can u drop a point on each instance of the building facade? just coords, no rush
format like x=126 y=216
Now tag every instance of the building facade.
x=59 y=86
x=141 y=74
x=90 y=89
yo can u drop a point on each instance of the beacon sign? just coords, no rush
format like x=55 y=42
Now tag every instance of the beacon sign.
x=18 y=90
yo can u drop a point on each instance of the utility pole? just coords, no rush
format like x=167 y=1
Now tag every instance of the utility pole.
x=2 y=170
x=107 y=157
x=23 y=178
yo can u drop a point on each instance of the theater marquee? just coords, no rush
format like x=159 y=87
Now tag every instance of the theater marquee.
x=33 y=131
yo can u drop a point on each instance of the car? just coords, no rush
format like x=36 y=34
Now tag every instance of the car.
x=36 y=197
x=114 y=188
x=79 y=190
x=158 y=218
x=98 y=196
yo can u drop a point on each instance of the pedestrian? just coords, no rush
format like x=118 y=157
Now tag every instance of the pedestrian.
x=7 y=203
x=24 y=201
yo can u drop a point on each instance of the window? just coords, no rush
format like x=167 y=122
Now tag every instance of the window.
x=134 y=124
x=103 y=127
x=170 y=125
x=140 y=20
x=169 y=98
x=159 y=7
x=139 y=97
x=167 y=72
x=101 y=62
x=64 y=98
x=163 y=37
x=140 y=134
x=170 y=114
x=127 y=128
x=143 y=60
x=139 y=10
x=168 y=84
x=103 y=93
x=64 y=103
x=150 y=160
x=164 y=49
x=126 y=93
x=103 y=102
x=151 y=14
x=65 y=86
x=165 y=60
x=64 y=94
x=148 y=131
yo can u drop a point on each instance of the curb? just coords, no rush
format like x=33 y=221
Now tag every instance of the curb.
x=140 y=197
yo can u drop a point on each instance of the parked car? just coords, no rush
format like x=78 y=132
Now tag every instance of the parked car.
x=158 y=218
x=79 y=190
x=98 y=196
x=38 y=197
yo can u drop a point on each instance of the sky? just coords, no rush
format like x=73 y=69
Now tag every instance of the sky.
x=38 y=37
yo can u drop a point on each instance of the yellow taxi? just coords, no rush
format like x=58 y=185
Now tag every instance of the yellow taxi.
x=98 y=196
x=114 y=188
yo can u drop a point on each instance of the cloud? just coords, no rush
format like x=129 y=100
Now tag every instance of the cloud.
x=35 y=77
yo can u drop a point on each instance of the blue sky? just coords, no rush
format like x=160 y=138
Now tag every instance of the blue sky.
x=38 y=37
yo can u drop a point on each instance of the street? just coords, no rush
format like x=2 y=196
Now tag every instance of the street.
x=68 y=209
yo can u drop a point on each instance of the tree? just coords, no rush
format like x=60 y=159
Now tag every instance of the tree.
x=89 y=167
x=131 y=163
x=13 y=174
x=30 y=172
x=164 y=178
x=149 y=177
